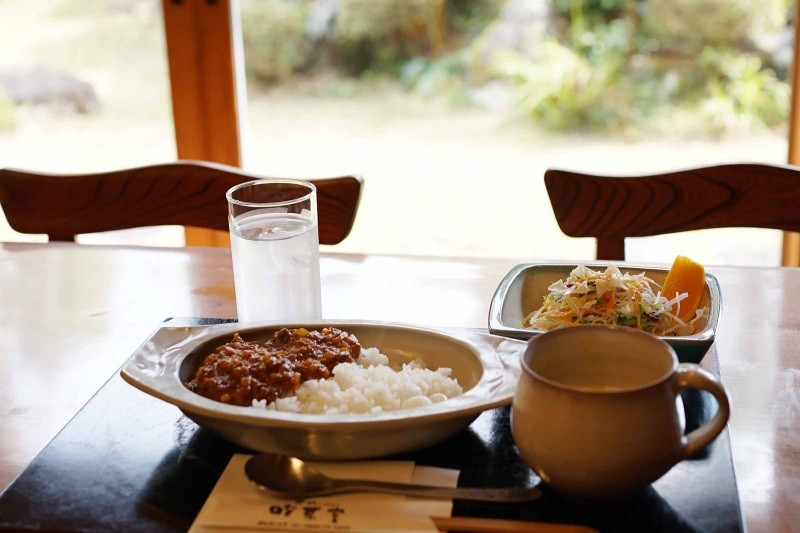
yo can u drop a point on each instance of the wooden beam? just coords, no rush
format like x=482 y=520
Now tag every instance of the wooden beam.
x=206 y=78
x=791 y=240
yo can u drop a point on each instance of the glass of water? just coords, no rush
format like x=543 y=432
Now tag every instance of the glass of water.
x=275 y=249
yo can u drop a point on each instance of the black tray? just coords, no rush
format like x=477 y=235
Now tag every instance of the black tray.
x=130 y=462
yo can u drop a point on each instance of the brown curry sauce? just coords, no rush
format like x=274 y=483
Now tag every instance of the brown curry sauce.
x=240 y=371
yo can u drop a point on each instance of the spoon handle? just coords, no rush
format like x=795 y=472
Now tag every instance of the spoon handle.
x=511 y=494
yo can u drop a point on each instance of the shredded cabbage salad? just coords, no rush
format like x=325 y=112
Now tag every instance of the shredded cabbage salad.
x=610 y=297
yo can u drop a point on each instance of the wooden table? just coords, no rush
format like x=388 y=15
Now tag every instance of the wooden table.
x=71 y=315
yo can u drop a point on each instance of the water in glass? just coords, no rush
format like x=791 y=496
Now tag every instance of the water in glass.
x=276 y=266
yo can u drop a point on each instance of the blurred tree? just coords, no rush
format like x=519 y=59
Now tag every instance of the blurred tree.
x=275 y=42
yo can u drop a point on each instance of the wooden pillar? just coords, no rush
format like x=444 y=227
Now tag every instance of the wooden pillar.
x=791 y=240
x=206 y=68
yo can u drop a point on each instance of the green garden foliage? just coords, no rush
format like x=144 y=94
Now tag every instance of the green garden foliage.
x=377 y=35
x=739 y=93
x=638 y=66
x=625 y=67
x=691 y=26
x=275 y=43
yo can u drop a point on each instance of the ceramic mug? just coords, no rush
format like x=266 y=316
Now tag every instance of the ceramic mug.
x=596 y=411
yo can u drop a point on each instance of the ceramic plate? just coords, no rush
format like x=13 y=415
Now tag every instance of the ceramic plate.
x=486 y=366
x=523 y=288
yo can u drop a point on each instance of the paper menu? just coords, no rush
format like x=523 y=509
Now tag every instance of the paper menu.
x=236 y=504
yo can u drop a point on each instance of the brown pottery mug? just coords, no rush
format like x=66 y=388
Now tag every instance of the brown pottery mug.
x=596 y=411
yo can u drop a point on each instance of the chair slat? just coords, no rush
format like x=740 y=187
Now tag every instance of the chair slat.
x=185 y=193
x=611 y=208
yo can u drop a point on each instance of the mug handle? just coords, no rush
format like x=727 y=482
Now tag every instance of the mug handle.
x=691 y=376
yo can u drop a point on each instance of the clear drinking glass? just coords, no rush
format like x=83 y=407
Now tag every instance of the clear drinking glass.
x=275 y=249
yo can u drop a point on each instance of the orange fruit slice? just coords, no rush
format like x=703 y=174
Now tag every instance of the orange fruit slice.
x=685 y=276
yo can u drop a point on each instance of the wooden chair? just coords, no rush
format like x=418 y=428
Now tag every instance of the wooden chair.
x=185 y=193
x=612 y=208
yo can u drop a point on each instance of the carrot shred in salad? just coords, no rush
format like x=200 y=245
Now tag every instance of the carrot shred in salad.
x=611 y=297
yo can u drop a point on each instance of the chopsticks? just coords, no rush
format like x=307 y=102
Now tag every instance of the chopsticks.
x=495 y=525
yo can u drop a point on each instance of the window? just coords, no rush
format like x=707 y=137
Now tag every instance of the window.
x=451 y=155
x=401 y=92
x=84 y=87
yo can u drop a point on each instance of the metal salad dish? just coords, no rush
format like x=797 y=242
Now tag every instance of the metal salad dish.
x=521 y=292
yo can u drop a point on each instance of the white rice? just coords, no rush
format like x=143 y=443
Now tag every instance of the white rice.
x=369 y=386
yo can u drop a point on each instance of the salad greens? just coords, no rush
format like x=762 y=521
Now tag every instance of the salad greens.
x=611 y=297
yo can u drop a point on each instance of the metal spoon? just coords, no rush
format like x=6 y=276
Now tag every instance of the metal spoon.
x=291 y=477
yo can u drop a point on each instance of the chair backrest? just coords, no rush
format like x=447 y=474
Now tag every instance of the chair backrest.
x=185 y=193
x=611 y=208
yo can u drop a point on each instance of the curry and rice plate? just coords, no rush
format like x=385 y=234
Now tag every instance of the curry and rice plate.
x=324 y=372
